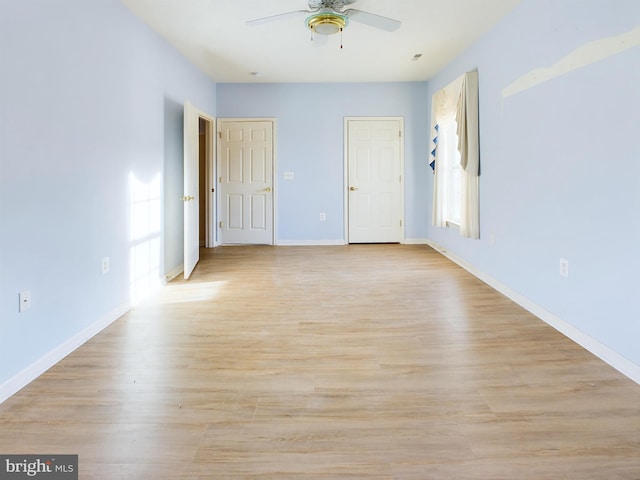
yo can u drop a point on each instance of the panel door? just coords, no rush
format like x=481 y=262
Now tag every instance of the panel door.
x=246 y=182
x=375 y=181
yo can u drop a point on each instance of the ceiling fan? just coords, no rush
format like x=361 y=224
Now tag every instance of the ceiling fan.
x=326 y=17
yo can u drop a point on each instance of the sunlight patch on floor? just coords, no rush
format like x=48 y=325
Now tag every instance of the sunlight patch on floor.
x=191 y=292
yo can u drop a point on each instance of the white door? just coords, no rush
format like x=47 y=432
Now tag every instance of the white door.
x=191 y=186
x=374 y=180
x=246 y=181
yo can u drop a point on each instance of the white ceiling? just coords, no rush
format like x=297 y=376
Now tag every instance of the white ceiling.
x=214 y=36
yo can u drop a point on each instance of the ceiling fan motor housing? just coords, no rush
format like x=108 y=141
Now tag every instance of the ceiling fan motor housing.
x=336 y=5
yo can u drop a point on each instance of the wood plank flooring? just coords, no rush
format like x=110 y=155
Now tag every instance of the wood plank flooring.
x=383 y=362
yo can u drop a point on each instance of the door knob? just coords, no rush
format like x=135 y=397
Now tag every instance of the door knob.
x=186 y=198
x=268 y=189
x=353 y=189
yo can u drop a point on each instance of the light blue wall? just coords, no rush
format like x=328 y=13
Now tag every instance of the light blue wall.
x=88 y=97
x=310 y=143
x=560 y=167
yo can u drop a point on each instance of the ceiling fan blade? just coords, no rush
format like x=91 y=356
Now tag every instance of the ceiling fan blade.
x=271 y=18
x=373 y=20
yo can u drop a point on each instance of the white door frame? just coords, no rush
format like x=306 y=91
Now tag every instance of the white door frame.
x=191 y=109
x=346 y=170
x=274 y=177
x=210 y=184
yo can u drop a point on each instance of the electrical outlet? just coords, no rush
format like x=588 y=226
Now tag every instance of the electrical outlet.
x=323 y=217
x=288 y=175
x=564 y=268
x=25 y=301
x=105 y=265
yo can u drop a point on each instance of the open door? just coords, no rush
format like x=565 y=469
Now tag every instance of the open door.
x=191 y=185
x=191 y=193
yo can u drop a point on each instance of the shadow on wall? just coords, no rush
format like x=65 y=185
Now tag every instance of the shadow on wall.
x=173 y=187
x=157 y=213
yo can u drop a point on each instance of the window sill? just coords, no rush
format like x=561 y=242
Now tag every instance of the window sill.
x=453 y=224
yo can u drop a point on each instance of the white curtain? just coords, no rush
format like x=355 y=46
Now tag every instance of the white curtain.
x=469 y=148
x=459 y=101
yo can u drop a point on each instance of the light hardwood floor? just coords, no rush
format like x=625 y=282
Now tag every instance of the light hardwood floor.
x=363 y=361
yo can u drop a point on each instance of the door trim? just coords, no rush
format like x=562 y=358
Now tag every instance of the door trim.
x=210 y=172
x=192 y=114
x=274 y=177
x=210 y=176
x=345 y=182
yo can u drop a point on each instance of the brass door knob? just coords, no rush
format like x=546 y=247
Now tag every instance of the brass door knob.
x=268 y=189
x=353 y=189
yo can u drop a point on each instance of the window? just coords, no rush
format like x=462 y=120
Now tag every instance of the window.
x=449 y=162
x=456 y=155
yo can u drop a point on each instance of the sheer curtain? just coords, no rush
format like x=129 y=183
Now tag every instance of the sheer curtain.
x=458 y=102
x=443 y=110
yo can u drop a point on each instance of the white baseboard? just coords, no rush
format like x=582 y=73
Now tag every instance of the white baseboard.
x=312 y=243
x=617 y=361
x=302 y=243
x=173 y=273
x=416 y=241
x=37 y=368
x=309 y=243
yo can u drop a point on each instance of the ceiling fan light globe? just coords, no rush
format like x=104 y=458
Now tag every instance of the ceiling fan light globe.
x=326 y=23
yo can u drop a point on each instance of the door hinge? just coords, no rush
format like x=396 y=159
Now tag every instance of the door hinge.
x=400 y=222
x=213 y=190
x=400 y=133
x=220 y=135
x=400 y=178
x=220 y=180
x=221 y=224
